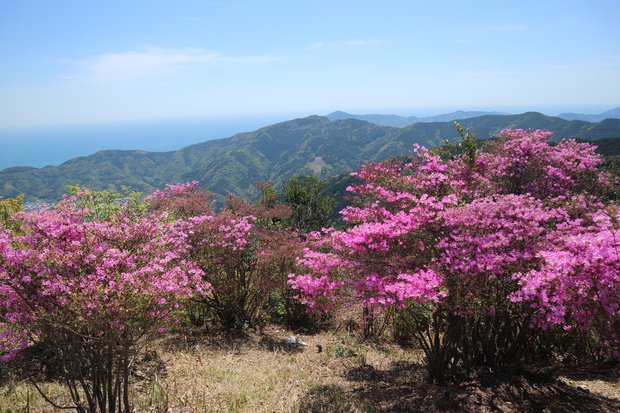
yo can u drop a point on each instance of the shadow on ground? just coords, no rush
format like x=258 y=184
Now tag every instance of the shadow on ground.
x=401 y=388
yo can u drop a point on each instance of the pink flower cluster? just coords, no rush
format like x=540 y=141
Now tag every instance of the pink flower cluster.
x=241 y=253
x=93 y=276
x=522 y=229
x=181 y=200
x=579 y=282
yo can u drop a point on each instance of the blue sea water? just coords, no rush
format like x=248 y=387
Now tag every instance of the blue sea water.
x=44 y=146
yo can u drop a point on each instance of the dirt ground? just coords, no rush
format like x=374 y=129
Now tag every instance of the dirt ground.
x=340 y=373
x=335 y=372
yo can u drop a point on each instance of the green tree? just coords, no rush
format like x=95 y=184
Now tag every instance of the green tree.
x=105 y=204
x=8 y=207
x=311 y=206
x=468 y=146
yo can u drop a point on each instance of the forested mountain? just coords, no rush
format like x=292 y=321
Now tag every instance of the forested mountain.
x=273 y=153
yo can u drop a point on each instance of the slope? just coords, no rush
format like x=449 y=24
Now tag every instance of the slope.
x=273 y=153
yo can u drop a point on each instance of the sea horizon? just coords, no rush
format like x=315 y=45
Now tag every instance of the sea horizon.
x=41 y=146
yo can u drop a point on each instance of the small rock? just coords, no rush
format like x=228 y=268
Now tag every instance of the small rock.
x=292 y=340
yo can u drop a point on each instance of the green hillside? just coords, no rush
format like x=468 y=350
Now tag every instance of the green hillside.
x=273 y=153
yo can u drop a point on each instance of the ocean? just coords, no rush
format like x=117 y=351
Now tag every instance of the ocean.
x=44 y=146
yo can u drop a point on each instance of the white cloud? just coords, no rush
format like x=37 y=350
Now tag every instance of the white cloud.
x=151 y=62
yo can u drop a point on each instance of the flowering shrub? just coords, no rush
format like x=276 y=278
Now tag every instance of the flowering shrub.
x=521 y=161
x=242 y=252
x=470 y=246
x=578 y=285
x=93 y=289
x=182 y=200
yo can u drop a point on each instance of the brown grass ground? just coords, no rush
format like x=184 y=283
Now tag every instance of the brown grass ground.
x=259 y=373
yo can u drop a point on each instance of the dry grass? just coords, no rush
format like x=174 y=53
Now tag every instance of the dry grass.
x=259 y=373
x=256 y=373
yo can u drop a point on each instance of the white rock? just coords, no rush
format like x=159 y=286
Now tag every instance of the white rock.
x=292 y=340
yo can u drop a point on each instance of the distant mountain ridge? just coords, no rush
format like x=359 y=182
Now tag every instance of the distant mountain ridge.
x=272 y=153
x=400 y=121
x=613 y=113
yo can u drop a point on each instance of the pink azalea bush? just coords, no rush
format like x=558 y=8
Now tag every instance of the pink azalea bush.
x=482 y=251
x=93 y=290
x=242 y=252
x=182 y=200
x=578 y=285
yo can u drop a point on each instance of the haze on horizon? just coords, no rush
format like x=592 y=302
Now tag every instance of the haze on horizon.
x=76 y=62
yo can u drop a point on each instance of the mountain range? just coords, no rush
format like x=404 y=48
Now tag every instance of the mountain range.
x=277 y=152
x=613 y=113
x=400 y=121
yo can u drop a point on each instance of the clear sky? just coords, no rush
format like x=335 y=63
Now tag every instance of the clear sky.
x=77 y=61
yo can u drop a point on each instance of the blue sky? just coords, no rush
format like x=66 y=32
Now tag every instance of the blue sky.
x=71 y=62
